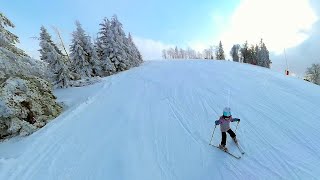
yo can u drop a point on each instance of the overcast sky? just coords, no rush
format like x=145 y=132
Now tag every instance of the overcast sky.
x=293 y=25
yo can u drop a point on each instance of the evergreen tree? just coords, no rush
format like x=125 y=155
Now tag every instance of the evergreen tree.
x=206 y=54
x=220 y=52
x=45 y=37
x=118 y=51
x=164 y=54
x=313 y=73
x=83 y=54
x=133 y=50
x=8 y=40
x=263 y=56
x=176 y=53
x=63 y=74
x=170 y=53
x=182 y=53
x=244 y=51
x=56 y=64
x=251 y=55
x=113 y=45
x=211 y=50
x=235 y=52
x=256 y=49
x=98 y=46
x=104 y=48
x=95 y=62
x=79 y=60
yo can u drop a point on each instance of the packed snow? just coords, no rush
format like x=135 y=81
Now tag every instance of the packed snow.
x=155 y=122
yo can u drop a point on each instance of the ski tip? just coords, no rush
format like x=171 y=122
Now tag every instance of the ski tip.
x=237 y=157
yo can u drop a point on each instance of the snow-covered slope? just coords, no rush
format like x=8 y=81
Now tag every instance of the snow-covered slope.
x=156 y=121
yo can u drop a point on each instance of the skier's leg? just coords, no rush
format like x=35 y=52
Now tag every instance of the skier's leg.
x=223 y=138
x=232 y=134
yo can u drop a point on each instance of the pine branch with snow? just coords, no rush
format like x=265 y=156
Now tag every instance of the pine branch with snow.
x=46 y=37
x=14 y=65
x=8 y=40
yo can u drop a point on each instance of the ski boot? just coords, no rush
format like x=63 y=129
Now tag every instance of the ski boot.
x=223 y=147
x=235 y=140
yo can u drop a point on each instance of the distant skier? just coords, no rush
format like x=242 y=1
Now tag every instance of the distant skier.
x=224 y=123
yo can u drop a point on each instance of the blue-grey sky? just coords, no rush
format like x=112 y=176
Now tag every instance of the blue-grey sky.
x=171 y=22
x=160 y=24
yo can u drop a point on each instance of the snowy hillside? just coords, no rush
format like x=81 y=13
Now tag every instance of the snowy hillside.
x=156 y=121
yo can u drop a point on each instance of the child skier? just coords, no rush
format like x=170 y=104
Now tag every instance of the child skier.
x=224 y=123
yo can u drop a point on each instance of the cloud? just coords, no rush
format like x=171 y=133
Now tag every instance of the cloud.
x=301 y=56
x=150 y=49
x=282 y=24
x=286 y=24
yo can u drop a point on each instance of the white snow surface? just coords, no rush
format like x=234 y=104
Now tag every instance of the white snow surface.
x=155 y=122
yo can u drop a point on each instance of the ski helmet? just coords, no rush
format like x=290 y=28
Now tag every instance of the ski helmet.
x=227 y=112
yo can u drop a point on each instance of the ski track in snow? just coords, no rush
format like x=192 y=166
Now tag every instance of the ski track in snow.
x=156 y=121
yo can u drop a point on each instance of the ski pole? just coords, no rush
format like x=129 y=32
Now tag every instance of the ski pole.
x=237 y=126
x=212 y=134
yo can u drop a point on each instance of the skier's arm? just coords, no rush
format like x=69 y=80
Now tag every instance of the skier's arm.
x=235 y=120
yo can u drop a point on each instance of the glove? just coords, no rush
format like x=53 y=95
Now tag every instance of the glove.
x=217 y=122
x=236 y=119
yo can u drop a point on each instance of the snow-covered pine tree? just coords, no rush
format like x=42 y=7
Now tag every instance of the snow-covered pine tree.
x=182 y=53
x=164 y=54
x=206 y=53
x=101 y=63
x=244 y=51
x=95 y=62
x=260 y=55
x=176 y=53
x=118 y=54
x=8 y=40
x=133 y=50
x=46 y=37
x=220 y=52
x=313 y=73
x=60 y=74
x=98 y=44
x=235 y=52
x=256 y=49
x=199 y=55
x=263 y=56
x=14 y=61
x=211 y=50
x=191 y=54
x=170 y=53
x=267 y=61
x=112 y=44
x=79 y=61
x=63 y=74
x=91 y=51
x=251 y=55
x=104 y=49
x=82 y=53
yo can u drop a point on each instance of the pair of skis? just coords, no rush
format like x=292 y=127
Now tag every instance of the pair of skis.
x=231 y=154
